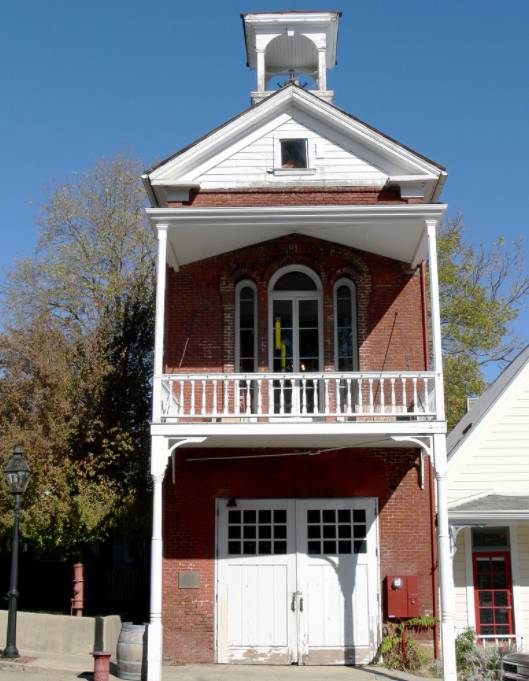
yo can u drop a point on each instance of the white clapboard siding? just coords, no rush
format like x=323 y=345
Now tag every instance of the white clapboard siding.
x=494 y=456
x=460 y=586
x=522 y=625
x=333 y=159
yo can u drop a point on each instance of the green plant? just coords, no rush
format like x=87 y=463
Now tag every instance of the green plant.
x=399 y=650
x=465 y=644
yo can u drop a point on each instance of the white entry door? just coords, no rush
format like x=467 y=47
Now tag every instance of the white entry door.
x=297 y=581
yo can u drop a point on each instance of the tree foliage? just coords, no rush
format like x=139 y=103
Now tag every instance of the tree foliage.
x=481 y=292
x=76 y=361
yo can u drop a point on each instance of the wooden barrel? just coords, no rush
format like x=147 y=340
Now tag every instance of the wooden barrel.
x=130 y=651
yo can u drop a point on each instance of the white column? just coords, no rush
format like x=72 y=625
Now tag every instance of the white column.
x=261 y=75
x=160 y=453
x=445 y=561
x=437 y=350
x=159 y=456
x=159 y=322
x=322 y=69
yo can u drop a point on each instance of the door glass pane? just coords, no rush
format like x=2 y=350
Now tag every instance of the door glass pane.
x=492 y=538
x=261 y=531
x=308 y=343
x=308 y=314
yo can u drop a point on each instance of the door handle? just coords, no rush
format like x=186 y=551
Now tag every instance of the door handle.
x=301 y=604
x=293 y=604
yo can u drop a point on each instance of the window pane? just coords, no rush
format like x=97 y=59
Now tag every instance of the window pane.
x=490 y=538
x=308 y=343
x=344 y=312
x=295 y=281
x=308 y=314
x=345 y=342
x=246 y=314
x=345 y=364
x=246 y=293
x=294 y=153
x=247 y=343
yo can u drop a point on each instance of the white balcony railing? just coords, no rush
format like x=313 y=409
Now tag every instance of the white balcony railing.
x=265 y=397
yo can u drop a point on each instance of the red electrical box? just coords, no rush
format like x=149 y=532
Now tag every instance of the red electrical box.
x=402 y=596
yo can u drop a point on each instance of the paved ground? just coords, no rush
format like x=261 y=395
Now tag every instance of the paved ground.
x=38 y=667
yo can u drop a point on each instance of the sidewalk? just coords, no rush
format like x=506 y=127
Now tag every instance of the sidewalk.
x=43 y=667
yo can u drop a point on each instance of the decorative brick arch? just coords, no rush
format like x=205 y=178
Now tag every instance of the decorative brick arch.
x=260 y=262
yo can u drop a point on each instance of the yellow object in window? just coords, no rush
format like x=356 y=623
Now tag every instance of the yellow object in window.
x=278 y=333
x=283 y=357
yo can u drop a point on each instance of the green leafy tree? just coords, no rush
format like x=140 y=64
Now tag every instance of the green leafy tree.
x=76 y=359
x=481 y=293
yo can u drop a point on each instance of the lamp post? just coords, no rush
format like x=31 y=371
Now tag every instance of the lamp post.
x=17 y=477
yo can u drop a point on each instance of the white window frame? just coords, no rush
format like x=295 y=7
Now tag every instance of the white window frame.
x=344 y=281
x=240 y=285
x=278 y=170
x=297 y=295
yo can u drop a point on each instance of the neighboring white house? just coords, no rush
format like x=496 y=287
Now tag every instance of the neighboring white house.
x=488 y=488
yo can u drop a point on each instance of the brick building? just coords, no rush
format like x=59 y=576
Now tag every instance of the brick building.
x=295 y=413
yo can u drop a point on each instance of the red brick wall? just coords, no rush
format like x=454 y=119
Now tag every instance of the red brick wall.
x=200 y=304
x=292 y=196
x=189 y=524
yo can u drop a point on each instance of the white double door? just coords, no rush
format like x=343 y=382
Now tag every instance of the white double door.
x=297 y=581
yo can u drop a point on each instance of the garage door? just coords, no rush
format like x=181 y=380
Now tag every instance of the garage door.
x=297 y=581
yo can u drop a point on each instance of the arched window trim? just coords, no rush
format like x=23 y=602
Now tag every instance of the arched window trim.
x=244 y=283
x=293 y=268
x=352 y=287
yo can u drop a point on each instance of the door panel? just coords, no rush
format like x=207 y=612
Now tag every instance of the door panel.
x=256 y=577
x=338 y=579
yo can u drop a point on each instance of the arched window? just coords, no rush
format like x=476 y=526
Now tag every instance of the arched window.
x=345 y=342
x=246 y=326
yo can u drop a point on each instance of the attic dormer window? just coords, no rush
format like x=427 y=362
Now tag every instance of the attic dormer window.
x=294 y=153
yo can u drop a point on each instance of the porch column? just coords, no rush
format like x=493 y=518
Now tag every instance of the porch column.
x=161 y=450
x=159 y=456
x=445 y=561
x=322 y=69
x=437 y=349
x=159 y=322
x=261 y=75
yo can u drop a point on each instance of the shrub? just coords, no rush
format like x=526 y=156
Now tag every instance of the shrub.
x=477 y=663
x=399 y=650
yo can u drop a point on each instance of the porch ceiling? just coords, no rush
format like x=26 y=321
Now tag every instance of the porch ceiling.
x=396 y=232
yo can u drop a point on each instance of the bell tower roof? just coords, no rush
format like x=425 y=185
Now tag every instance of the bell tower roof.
x=288 y=44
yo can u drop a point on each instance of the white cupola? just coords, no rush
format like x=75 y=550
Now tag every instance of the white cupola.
x=291 y=44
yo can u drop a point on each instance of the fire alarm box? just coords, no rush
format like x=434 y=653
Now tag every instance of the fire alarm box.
x=402 y=597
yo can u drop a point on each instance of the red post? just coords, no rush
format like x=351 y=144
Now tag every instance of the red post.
x=78 y=590
x=101 y=665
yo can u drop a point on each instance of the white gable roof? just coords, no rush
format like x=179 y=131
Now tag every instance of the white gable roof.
x=489 y=448
x=344 y=151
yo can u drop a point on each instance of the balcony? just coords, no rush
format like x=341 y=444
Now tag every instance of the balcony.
x=324 y=397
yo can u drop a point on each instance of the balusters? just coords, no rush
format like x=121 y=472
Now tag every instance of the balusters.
x=248 y=398
x=338 y=396
x=225 y=406
x=348 y=389
x=192 y=405
x=371 y=403
x=326 y=395
x=360 y=396
x=281 y=396
x=404 y=398
x=271 y=396
x=259 y=397
x=382 y=395
x=214 y=413
x=237 y=398
x=315 y=390
x=181 y=399
x=415 y=396
x=393 y=400
x=303 y=395
x=203 y=407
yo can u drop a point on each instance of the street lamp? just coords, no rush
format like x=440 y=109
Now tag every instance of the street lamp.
x=17 y=477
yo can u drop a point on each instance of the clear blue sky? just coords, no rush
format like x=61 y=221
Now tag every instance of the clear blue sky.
x=81 y=80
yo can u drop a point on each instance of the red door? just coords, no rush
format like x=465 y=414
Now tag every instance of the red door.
x=493 y=593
